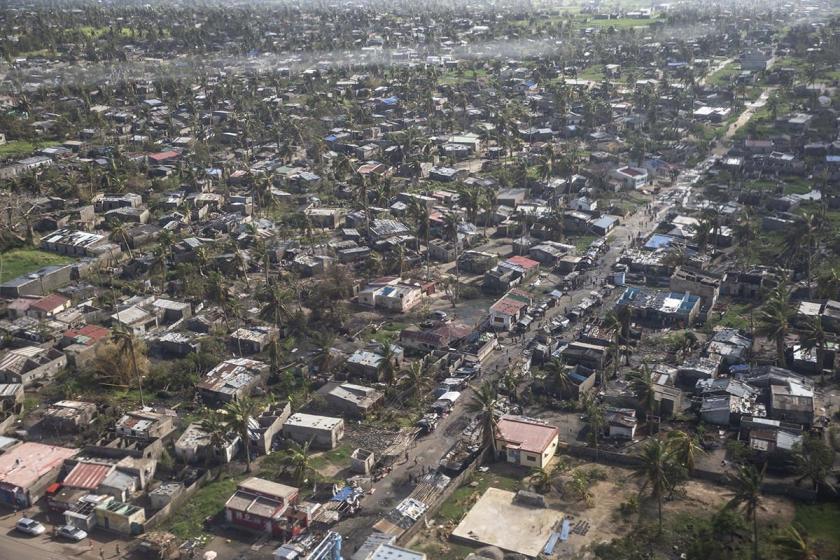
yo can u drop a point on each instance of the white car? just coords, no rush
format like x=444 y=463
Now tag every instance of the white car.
x=30 y=527
x=71 y=533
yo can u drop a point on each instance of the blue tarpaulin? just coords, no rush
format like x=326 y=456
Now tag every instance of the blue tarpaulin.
x=343 y=494
x=564 y=531
x=552 y=542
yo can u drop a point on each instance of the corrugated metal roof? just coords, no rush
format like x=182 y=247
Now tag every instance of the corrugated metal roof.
x=87 y=476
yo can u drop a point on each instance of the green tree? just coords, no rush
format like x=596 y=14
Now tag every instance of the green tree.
x=656 y=470
x=216 y=429
x=642 y=385
x=685 y=448
x=774 y=320
x=746 y=494
x=128 y=346
x=814 y=462
x=388 y=366
x=239 y=415
x=793 y=544
x=485 y=403
x=298 y=459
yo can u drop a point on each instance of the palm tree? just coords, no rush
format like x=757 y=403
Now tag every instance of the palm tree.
x=815 y=338
x=323 y=341
x=216 y=429
x=484 y=402
x=387 y=367
x=595 y=419
x=793 y=544
x=655 y=469
x=239 y=413
x=801 y=241
x=119 y=233
x=127 y=345
x=814 y=462
x=558 y=373
x=746 y=494
x=685 y=448
x=642 y=385
x=298 y=459
x=774 y=319
x=416 y=379
x=420 y=212
x=451 y=221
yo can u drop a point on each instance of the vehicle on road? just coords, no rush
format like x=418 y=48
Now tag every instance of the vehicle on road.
x=71 y=533
x=30 y=527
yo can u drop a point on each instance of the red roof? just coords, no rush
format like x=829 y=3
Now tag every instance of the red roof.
x=525 y=434
x=524 y=262
x=508 y=306
x=93 y=333
x=87 y=476
x=24 y=465
x=50 y=303
x=163 y=156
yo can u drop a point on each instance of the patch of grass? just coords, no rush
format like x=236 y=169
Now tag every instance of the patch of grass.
x=618 y=23
x=736 y=316
x=189 y=522
x=455 y=77
x=445 y=551
x=724 y=75
x=340 y=456
x=16 y=262
x=582 y=242
x=23 y=147
x=820 y=522
x=464 y=497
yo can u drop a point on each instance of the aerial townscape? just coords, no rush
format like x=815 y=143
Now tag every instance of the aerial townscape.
x=419 y=280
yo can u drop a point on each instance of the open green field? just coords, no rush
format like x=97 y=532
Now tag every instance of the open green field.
x=206 y=502
x=618 y=23
x=21 y=261
x=724 y=75
x=821 y=522
x=23 y=147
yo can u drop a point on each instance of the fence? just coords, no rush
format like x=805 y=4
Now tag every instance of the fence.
x=717 y=477
x=432 y=507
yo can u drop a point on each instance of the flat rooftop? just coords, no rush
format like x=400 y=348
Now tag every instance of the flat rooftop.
x=496 y=520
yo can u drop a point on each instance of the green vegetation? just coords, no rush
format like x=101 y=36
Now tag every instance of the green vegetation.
x=456 y=77
x=21 y=261
x=23 y=147
x=724 y=75
x=206 y=502
x=616 y=23
x=582 y=242
x=462 y=499
x=340 y=456
x=821 y=522
x=736 y=316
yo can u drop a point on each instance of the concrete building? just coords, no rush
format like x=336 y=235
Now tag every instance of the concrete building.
x=527 y=442
x=323 y=431
x=631 y=177
x=120 y=517
x=194 y=446
x=28 y=469
x=509 y=309
x=30 y=364
x=352 y=400
x=262 y=506
x=231 y=380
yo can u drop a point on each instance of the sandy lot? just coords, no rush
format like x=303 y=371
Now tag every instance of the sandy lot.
x=496 y=520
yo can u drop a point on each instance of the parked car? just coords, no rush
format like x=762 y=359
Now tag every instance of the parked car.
x=30 y=527
x=71 y=533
